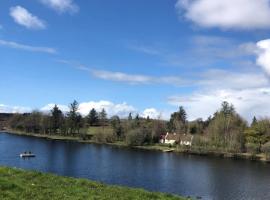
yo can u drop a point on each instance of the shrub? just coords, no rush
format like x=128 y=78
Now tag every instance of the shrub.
x=253 y=148
x=137 y=137
x=102 y=137
x=266 y=150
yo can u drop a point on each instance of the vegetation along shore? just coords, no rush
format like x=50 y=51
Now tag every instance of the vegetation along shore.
x=224 y=134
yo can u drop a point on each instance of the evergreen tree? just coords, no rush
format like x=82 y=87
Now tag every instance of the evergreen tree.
x=73 y=116
x=57 y=118
x=92 y=117
x=103 y=117
x=129 y=117
x=254 y=122
x=136 y=121
x=117 y=127
x=178 y=121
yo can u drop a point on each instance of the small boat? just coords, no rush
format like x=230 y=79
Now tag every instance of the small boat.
x=27 y=155
x=168 y=150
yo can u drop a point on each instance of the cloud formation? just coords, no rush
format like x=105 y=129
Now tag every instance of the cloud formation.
x=263 y=54
x=226 y=14
x=121 y=109
x=23 y=17
x=152 y=113
x=13 y=109
x=138 y=79
x=61 y=6
x=248 y=102
x=16 y=45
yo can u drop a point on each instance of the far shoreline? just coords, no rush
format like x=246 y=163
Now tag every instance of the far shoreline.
x=158 y=148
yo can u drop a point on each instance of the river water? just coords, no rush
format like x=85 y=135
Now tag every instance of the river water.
x=187 y=175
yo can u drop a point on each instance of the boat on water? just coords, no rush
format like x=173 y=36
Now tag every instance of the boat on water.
x=168 y=150
x=27 y=155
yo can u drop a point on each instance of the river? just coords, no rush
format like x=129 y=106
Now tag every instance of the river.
x=187 y=175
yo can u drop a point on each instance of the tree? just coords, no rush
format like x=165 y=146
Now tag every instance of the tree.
x=103 y=117
x=178 y=121
x=257 y=135
x=32 y=122
x=182 y=115
x=73 y=116
x=196 y=127
x=92 y=117
x=254 y=122
x=117 y=127
x=158 y=129
x=129 y=116
x=148 y=120
x=226 y=129
x=136 y=122
x=137 y=137
x=57 y=118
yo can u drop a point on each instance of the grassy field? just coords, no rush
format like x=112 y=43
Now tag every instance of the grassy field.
x=21 y=184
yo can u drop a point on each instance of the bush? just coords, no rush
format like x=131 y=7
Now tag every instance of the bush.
x=102 y=137
x=266 y=150
x=137 y=137
x=253 y=148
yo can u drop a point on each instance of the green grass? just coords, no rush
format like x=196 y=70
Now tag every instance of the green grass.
x=93 y=130
x=25 y=185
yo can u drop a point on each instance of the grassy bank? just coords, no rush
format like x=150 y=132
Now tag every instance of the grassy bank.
x=155 y=147
x=21 y=184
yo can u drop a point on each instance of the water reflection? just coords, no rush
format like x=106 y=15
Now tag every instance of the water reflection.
x=210 y=178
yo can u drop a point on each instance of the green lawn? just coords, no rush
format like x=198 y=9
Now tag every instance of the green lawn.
x=21 y=184
x=93 y=130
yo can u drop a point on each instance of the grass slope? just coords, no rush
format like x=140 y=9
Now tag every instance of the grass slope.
x=22 y=184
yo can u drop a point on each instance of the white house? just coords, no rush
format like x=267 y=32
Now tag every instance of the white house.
x=186 y=140
x=169 y=138
x=173 y=138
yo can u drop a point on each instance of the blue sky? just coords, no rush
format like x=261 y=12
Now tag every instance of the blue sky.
x=147 y=57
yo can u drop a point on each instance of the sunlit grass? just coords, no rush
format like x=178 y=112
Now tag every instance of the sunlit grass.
x=21 y=184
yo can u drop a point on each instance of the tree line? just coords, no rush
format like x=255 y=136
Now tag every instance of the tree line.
x=225 y=130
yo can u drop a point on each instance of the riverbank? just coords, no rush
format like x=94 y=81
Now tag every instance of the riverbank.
x=157 y=147
x=23 y=184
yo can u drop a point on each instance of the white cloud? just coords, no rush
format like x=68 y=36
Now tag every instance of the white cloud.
x=61 y=6
x=13 y=109
x=248 y=102
x=16 y=45
x=49 y=107
x=263 y=53
x=25 y=18
x=138 y=79
x=249 y=92
x=216 y=79
x=152 y=113
x=121 y=109
x=227 y=14
x=121 y=77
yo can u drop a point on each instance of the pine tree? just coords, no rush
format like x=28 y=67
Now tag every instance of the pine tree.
x=92 y=117
x=57 y=118
x=129 y=117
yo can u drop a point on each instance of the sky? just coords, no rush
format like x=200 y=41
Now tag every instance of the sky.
x=146 y=57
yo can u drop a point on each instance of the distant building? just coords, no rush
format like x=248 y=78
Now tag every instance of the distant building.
x=169 y=138
x=173 y=138
x=186 y=140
